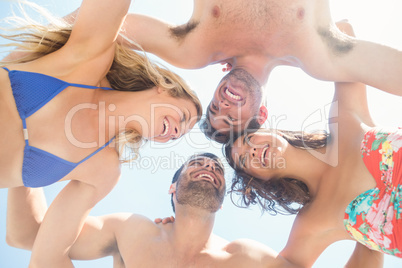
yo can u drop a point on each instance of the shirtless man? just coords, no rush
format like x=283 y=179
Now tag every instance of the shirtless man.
x=197 y=189
x=254 y=36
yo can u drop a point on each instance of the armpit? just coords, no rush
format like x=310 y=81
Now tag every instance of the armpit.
x=337 y=43
x=181 y=31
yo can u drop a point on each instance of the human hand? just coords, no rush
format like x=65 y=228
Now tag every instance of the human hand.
x=345 y=27
x=227 y=68
x=164 y=220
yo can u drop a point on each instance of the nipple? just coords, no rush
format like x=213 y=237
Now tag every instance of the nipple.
x=216 y=12
x=300 y=13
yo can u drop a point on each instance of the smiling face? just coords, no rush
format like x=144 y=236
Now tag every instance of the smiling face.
x=169 y=118
x=259 y=154
x=236 y=100
x=202 y=184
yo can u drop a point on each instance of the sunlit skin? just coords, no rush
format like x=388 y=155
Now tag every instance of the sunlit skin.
x=260 y=154
x=157 y=116
x=171 y=121
x=201 y=184
x=236 y=100
x=211 y=167
x=135 y=241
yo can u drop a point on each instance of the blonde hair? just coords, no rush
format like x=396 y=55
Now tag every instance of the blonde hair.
x=130 y=71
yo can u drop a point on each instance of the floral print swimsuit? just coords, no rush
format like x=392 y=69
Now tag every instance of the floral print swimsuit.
x=374 y=218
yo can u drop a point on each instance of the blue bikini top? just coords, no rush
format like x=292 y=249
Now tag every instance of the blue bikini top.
x=31 y=92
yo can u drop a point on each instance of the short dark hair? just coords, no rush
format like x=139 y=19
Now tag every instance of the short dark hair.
x=214 y=134
x=177 y=174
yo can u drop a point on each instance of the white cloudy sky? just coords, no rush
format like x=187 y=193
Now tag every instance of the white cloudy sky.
x=294 y=101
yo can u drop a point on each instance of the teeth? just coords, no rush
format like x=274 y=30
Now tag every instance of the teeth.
x=166 y=125
x=208 y=176
x=263 y=154
x=235 y=97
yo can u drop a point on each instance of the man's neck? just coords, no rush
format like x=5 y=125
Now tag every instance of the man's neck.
x=192 y=231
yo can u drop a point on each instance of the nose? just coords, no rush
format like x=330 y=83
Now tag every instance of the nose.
x=210 y=164
x=175 y=133
x=252 y=151
x=223 y=105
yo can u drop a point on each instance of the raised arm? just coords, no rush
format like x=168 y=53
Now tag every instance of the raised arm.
x=351 y=98
x=97 y=25
x=364 y=257
x=26 y=210
x=376 y=65
x=373 y=64
x=18 y=55
x=155 y=36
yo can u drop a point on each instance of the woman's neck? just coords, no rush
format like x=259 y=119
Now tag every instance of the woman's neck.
x=120 y=110
x=308 y=166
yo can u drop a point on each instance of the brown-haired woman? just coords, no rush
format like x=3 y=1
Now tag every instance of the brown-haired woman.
x=343 y=186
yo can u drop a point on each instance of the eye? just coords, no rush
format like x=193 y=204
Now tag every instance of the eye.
x=195 y=163
x=183 y=121
x=248 y=139
x=231 y=119
x=243 y=161
x=214 y=106
x=219 y=167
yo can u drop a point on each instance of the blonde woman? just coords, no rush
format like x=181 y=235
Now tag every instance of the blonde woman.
x=61 y=110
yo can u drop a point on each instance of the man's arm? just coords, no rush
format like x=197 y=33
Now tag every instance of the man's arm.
x=154 y=36
x=371 y=63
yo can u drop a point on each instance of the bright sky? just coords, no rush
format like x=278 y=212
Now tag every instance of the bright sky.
x=295 y=101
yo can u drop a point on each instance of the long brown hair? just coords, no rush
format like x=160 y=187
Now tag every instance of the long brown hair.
x=276 y=195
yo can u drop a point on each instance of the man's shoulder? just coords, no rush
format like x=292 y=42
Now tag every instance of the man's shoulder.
x=245 y=245
x=130 y=220
x=130 y=227
x=125 y=224
x=248 y=251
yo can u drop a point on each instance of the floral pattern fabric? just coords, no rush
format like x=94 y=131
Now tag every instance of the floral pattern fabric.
x=374 y=218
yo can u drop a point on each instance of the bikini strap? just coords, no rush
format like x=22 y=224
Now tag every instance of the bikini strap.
x=99 y=149
x=87 y=86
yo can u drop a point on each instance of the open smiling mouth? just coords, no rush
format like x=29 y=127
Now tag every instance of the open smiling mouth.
x=208 y=177
x=263 y=154
x=166 y=127
x=232 y=95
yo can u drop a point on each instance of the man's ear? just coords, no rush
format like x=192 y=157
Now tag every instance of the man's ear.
x=172 y=188
x=262 y=115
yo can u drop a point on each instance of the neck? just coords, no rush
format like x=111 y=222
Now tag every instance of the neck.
x=122 y=110
x=309 y=167
x=192 y=230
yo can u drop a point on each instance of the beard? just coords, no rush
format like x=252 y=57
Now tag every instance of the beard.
x=248 y=84
x=199 y=194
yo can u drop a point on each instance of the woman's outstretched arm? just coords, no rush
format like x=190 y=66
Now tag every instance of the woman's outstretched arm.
x=365 y=257
x=26 y=208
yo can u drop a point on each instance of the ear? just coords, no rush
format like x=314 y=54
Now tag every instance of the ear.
x=172 y=188
x=262 y=115
x=160 y=89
